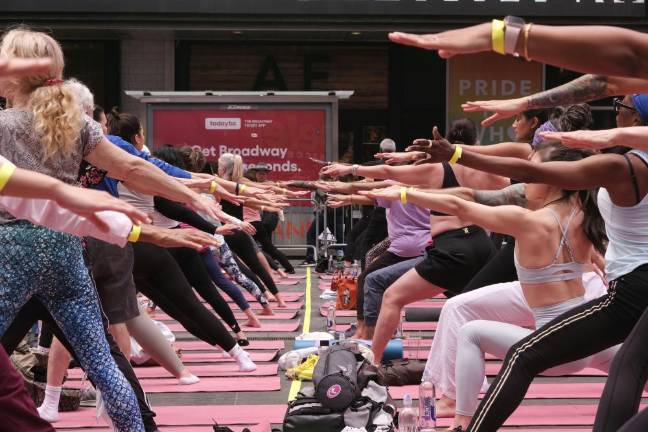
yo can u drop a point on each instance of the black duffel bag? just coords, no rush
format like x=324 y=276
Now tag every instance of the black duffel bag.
x=307 y=414
x=335 y=377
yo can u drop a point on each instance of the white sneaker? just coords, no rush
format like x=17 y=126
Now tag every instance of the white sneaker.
x=245 y=363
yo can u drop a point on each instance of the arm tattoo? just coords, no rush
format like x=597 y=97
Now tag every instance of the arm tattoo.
x=583 y=89
x=510 y=195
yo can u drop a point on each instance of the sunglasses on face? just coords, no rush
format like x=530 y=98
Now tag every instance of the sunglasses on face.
x=618 y=104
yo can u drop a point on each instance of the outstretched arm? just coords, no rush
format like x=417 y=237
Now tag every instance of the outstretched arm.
x=430 y=176
x=634 y=137
x=510 y=220
x=618 y=51
x=583 y=89
x=607 y=170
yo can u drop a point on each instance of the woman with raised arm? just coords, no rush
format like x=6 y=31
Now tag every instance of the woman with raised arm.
x=553 y=249
x=459 y=248
x=623 y=180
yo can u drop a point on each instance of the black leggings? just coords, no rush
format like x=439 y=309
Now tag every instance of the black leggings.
x=585 y=330
x=500 y=268
x=383 y=260
x=158 y=276
x=193 y=268
x=625 y=385
x=34 y=311
x=265 y=240
x=243 y=246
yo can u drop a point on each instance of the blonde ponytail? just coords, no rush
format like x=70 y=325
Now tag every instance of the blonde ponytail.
x=58 y=118
x=237 y=169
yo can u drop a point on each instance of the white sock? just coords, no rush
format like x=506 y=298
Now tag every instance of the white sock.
x=49 y=409
x=242 y=358
x=189 y=379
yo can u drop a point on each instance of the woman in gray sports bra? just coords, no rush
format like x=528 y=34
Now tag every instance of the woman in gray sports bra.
x=552 y=249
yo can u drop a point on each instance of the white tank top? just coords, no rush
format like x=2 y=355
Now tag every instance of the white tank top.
x=145 y=204
x=627 y=230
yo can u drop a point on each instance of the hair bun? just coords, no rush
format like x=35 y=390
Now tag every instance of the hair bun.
x=114 y=111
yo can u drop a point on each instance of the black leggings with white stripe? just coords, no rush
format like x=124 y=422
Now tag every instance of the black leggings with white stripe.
x=579 y=333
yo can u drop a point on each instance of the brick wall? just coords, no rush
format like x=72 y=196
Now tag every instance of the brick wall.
x=147 y=63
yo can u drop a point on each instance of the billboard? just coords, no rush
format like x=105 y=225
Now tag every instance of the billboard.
x=487 y=76
x=281 y=138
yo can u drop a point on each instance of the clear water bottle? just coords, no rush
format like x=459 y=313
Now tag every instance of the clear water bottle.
x=399 y=330
x=355 y=269
x=330 y=320
x=427 y=411
x=407 y=417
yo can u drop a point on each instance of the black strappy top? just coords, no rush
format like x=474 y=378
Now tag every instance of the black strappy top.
x=449 y=181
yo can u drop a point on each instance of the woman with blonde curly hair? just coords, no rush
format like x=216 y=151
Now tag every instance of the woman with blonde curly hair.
x=45 y=130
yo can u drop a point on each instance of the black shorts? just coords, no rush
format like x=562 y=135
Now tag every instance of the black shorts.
x=112 y=271
x=455 y=257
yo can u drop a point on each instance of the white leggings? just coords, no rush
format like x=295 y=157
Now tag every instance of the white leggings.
x=503 y=302
x=479 y=337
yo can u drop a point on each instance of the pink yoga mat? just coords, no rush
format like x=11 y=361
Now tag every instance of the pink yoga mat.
x=557 y=390
x=266 y=328
x=297 y=277
x=407 y=326
x=208 y=357
x=211 y=370
x=220 y=384
x=189 y=416
x=339 y=313
x=254 y=345
x=492 y=369
x=280 y=314
x=297 y=305
x=287 y=282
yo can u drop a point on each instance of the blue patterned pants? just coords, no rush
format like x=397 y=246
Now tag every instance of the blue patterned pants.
x=37 y=261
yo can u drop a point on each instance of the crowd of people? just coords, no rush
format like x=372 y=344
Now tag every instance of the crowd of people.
x=541 y=243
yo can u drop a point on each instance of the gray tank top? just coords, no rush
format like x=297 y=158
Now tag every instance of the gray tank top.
x=554 y=272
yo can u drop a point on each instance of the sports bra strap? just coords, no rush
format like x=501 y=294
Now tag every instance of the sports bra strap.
x=633 y=176
x=564 y=240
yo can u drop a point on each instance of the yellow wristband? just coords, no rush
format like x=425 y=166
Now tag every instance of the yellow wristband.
x=242 y=188
x=6 y=171
x=457 y=154
x=403 y=195
x=497 y=36
x=134 y=235
x=212 y=187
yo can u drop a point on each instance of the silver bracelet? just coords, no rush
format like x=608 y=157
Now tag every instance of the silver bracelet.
x=354 y=170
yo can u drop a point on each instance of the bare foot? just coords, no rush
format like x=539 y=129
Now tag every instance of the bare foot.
x=253 y=322
x=282 y=273
x=445 y=407
x=282 y=304
x=267 y=311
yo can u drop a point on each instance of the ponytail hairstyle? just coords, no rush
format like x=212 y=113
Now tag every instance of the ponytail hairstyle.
x=194 y=158
x=593 y=224
x=124 y=125
x=58 y=118
x=232 y=165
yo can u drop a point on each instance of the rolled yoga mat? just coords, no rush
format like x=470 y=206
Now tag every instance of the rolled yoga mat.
x=422 y=314
x=393 y=351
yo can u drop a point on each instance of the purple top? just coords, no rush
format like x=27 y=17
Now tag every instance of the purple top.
x=408 y=226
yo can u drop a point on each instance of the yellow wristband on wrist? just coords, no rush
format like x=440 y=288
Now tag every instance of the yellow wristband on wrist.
x=242 y=188
x=403 y=195
x=134 y=235
x=457 y=154
x=6 y=171
x=497 y=36
x=212 y=187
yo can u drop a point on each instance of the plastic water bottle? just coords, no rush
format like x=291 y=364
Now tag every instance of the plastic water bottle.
x=427 y=411
x=330 y=320
x=355 y=272
x=407 y=417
